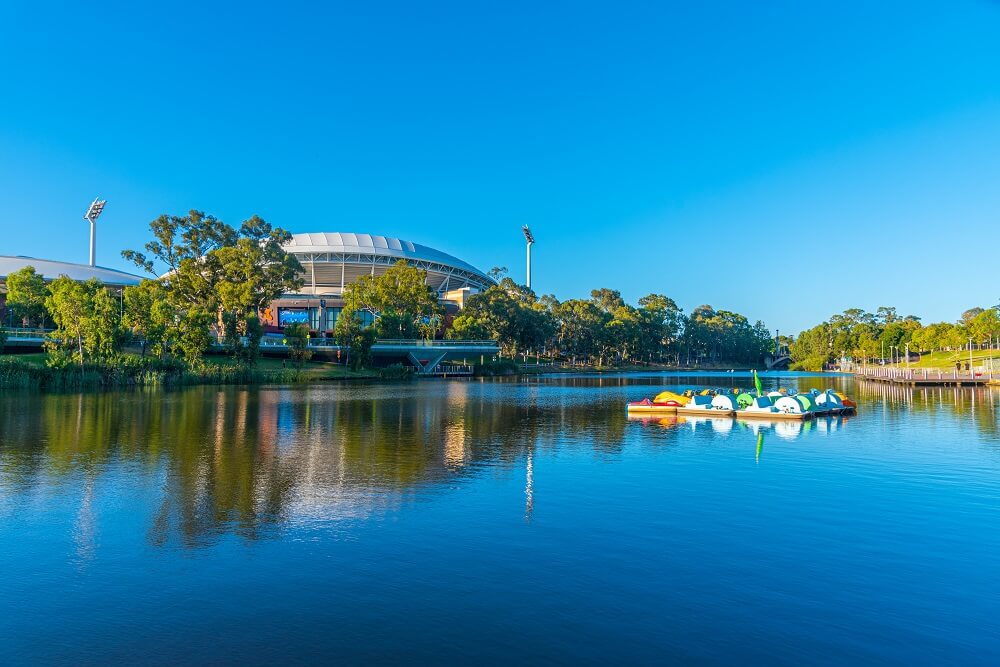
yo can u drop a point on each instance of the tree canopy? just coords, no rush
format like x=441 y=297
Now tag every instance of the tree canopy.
x=216 y=274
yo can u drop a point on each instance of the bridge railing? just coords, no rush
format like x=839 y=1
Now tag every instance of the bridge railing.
x=436 y=343
x=22 y=333
x=276 y=341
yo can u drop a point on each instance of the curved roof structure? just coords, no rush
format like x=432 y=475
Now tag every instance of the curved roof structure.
x=333 y=259
x=50 y=270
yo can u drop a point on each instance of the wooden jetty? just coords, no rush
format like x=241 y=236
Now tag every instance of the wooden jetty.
x=923 y=377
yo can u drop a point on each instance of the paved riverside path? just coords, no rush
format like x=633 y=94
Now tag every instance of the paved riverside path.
x=923 y=377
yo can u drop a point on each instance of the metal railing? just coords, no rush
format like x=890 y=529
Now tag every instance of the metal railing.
x=22 y=333
x=894 y=373
x=282 y=341
x=436 y=343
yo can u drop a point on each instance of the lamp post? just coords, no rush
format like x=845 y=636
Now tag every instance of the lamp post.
x=530 y=238
x=93 y=213
x=970 y=356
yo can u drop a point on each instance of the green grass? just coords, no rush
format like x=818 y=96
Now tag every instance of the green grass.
x=947 y=360
x=33 y=358
x=311 y=370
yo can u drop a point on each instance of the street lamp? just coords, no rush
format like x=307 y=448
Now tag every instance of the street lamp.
x=530 y=238
x=970 y=356
x=94 y=212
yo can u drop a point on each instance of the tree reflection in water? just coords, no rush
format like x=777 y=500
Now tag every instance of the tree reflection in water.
x=244 y=462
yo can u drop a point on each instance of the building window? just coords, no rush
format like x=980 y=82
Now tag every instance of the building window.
x=330 y=317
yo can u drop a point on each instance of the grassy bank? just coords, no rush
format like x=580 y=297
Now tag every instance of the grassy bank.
x=29 y=371
x=947 y=360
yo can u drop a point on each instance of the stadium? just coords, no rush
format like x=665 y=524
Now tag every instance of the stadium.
x=50 y=270
x=333 y=260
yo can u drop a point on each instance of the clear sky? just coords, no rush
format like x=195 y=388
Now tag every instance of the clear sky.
x=784 y=160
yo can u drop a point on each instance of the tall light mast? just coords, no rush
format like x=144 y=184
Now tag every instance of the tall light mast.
x=531 y=241
x=93 y=213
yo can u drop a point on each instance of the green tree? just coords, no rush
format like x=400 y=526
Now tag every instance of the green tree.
x=102 y=336
x=662 y=322
x=969 y=315
x=359 y=339
x=400 y=301
x=195 y=335
x=581 y=329
x=219 y=275
x=297 y=340
x=253 y=271
x=508 y=313
x=26 y=294
x=985 y=326
x=70 y=303
x=812 y=348
x=150 y=316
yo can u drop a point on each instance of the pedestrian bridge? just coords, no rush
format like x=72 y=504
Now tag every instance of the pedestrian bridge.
x=424 y=355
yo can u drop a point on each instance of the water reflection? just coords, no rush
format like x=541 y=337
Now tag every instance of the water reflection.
x=724 y=426
x=979 y=404
x=248 y=461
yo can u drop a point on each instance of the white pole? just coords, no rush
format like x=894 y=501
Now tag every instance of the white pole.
x=93 y=242
x=529 y=265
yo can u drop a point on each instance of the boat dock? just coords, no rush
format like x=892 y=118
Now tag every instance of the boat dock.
x=923 y=377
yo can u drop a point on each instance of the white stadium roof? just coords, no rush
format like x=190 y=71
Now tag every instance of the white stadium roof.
x=322 y=252
x=51 y=270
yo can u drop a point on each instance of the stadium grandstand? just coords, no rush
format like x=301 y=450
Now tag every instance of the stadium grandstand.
x=333 y=260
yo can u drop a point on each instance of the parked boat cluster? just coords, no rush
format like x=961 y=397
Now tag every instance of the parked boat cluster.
x=736 y=403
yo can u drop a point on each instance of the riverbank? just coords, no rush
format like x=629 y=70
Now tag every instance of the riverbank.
x=30 y=371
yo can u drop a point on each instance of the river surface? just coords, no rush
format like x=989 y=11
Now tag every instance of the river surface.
x=496 y=522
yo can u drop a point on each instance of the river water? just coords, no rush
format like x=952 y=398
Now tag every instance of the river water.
x=491 y=522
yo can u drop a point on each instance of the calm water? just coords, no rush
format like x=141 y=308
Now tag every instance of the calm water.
x=493 y=522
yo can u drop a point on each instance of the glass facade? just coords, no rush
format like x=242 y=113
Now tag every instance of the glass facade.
x=330 y=318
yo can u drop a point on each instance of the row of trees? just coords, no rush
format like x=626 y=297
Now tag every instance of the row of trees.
x=605 y=329
x=218 y=279
x=865 y=336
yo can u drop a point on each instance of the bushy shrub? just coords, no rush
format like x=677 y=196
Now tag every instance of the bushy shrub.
x=500 y=367
x=396 y=372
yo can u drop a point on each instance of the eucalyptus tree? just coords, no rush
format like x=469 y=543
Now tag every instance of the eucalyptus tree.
x=150 y=316
x=26 y=294
x=509 y=313
x=218 y=275
x=69 y=304
x=399 y=301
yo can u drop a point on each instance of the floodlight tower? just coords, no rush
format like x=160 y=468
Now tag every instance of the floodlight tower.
x=531 y=241
x=94 y=212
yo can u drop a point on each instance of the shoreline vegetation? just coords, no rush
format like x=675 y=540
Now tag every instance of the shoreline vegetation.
x=857 y=337
x=30 y=372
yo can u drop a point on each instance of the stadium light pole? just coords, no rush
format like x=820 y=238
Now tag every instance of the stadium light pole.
x=93 y=213
x=529 y=237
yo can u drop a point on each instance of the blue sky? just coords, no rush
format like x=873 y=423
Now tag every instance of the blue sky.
x=784 y=160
